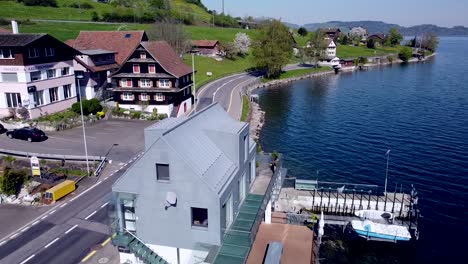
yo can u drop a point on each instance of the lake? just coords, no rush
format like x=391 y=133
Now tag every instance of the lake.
x=339 y=127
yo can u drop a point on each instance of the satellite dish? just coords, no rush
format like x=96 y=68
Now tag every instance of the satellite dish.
x=171 y=200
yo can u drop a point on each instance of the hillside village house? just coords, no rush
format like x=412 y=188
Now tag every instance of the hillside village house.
x=102 y=53
x=330 y=51
x=332 y=33
x=379 y=38
x=36 y=75
x=186 y=190
x=206 y=47
x=154 y=77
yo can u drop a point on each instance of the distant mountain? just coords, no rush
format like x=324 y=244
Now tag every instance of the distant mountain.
x=382 y=27
x=291 y=25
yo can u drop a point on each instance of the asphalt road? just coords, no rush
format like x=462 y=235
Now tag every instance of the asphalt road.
x=100 y=137
x=68 y=230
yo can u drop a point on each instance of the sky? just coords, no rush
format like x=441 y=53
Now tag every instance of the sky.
x=446 y=13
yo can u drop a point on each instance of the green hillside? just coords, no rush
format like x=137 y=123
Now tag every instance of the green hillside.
x=11 y=9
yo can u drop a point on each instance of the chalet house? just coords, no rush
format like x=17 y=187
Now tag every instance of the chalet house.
x=205 y=47
x=36 y=75
x=378 y=38
x=154 y=77
x=102 y=53
x=330 y=51
x=186 y=190
x=332 y=33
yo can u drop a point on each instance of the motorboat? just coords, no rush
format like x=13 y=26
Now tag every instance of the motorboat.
x=374 y=215
x=382 y=232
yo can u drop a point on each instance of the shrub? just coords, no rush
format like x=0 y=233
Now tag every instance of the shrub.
x=52 y=3
x=89 y=107
x=136 y=115
x=405 y=53
x=390 y=59
x=82 y=6
x=274 y=155
x=12 y=180
x=162 y=116
x=94 y=16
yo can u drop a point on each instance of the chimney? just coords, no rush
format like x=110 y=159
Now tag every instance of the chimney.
x=14 y=27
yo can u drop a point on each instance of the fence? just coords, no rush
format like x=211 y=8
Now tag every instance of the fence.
x=16 y=153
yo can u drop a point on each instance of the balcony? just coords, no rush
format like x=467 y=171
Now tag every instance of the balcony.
x=239 y=237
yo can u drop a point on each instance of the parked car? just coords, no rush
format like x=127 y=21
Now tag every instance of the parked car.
x=2 y=129
x=27 y=133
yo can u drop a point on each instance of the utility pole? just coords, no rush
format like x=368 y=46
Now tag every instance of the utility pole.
x=386 y=172
x=193 y=79
x=223 y=7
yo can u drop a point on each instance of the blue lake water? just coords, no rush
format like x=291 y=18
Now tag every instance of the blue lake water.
x=342 y=126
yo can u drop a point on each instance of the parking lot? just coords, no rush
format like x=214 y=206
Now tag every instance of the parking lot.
x=128 y=134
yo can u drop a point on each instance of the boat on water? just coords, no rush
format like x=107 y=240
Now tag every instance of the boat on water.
x=382 y=232
x=374 y=215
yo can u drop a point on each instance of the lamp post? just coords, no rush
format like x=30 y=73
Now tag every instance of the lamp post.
x=113 y=145
x=193 y=78
x=78 y=78
x=386 y=171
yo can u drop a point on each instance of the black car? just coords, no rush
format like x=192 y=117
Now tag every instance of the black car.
x=2 y=129
x=27 y=133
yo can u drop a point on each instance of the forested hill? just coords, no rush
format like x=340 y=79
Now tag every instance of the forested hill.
x=382 y=27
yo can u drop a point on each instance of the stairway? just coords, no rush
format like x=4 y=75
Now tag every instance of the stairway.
x=126 y=241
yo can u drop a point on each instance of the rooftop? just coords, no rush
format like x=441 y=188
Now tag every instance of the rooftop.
x=204 y=43
x=97 y=52
x=165 y=55
x=15 y=40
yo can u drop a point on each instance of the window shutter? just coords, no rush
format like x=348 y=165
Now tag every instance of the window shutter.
x=129 y=82
x=121 y=97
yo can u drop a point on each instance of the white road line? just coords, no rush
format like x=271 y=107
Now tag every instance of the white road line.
x=232 y=92
x=53 y=211
x=104 y=205
x=44 y=217
x=116 y=171
x=122 y=167
x=24 y=229
x=86 y=218
x=53 y=241
x=35 y=223
x=63 y=205
x=69 y=230
x=98 y=182
x=28 y=259
x=125 y=164
x=105 y=178
x=15 y=235
x=3 y=242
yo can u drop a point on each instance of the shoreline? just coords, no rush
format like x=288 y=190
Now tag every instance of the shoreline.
x=256 y=117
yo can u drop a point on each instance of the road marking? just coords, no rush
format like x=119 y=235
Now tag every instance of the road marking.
x=232 y=92
x=28 y=259
x=89 y=256
x=69 y=230
x=105 y=242
x=125 y=164
x=104 y=205
x=35 y=223
x=44 y=217
x=121 y=163
x=63 y=205
x=116 y=171
x=105 y=178
x=99 y=182
x=86 y=218
x=122 y=167
x=24 y=229
x=3 y=242
x=53 y=241
x=15 y=235
x=53 y=211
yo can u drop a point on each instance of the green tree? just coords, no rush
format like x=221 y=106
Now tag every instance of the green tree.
x=94 y=16
x=302 y=31
x=273 y=48
x=430 y=41
x=394 y=38
x=11 y=181
x=344 y=40
x=405 y=53
x=371 y=43
x=316 y=47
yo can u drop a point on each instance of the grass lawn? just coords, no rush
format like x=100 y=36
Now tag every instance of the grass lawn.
x=197 y=12
x=298 y=73
x=217 y=68
x=347 y=51
x=217 y=33
x=13 y=9
x=245 y=108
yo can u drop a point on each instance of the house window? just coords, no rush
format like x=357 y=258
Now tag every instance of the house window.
x=13 y=99
x=38 y=97
x=145 y=83
x=246 y=147
x=9 y=77
x=53 y=94
x=36 y=76
x=127 y=96
x=126 y=82
x=142 y=55
x=33 y=53
x=6 y=54
x=136 y=68
x=49 y=52
x=199 y=217
x=164 y=83
x=65 y=71
x=67 y=91
x=51 y=73
x=144 y=97
x=152 y=68
x=162 y=172
x=159 y=97
x=129 y=216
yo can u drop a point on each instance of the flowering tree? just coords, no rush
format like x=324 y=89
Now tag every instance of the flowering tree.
x=242 y=43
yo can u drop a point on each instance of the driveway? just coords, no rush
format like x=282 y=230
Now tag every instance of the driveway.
x=100 y=137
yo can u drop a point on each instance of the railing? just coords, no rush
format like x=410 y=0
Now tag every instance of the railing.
x=49 y=156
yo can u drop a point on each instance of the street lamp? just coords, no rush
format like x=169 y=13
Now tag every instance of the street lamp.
x=113 y=145
x=78 y=78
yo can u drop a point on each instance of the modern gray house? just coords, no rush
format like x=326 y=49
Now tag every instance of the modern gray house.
x=177 y=201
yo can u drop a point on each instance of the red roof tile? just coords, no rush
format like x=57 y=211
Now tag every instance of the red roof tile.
x=204 y=43
x=163 y=53
x=122 y=42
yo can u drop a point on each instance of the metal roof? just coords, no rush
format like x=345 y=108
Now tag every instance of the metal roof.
x=96 y=51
